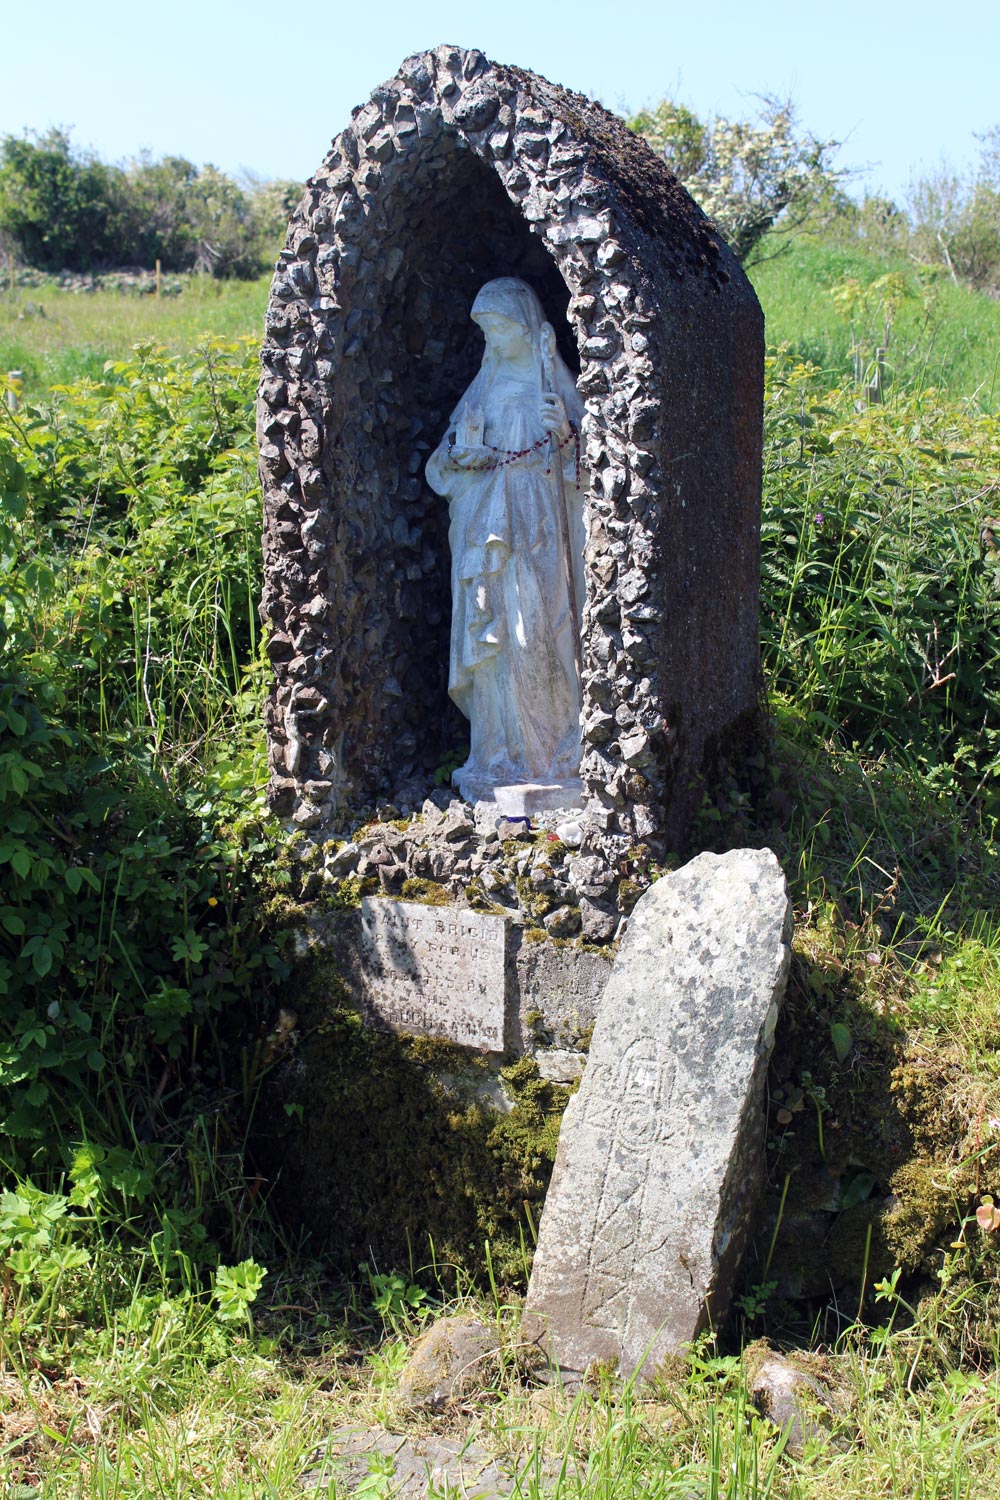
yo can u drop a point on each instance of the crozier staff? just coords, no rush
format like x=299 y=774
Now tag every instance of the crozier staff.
x=509 y=466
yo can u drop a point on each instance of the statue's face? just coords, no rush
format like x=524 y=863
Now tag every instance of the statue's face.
x=503 y=336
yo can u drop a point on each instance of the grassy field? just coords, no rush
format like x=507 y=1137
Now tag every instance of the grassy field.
x=54 y=336
x=144 y=1350
x=942 y=335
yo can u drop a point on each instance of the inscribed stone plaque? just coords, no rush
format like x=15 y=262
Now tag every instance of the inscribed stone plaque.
x=659 y=1152
x=434 y=970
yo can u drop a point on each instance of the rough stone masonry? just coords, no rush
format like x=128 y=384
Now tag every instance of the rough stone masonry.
x=456 y=171
x=658 y=1164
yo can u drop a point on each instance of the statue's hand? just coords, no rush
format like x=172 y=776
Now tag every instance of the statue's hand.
x=553 y=415
x=468 y=455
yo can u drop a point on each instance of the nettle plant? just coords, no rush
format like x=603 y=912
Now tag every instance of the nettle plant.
x=131 y=769
x=881 y=575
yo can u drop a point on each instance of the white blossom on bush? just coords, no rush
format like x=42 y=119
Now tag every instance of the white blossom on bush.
x=749 y=177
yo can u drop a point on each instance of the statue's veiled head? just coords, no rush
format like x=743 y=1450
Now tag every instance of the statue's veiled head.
x=509 y=297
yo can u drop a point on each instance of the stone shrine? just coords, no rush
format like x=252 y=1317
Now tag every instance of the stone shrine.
x=459 y=171
x=510 y=433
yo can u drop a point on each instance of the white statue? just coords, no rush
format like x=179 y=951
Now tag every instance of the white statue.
x=509 y=466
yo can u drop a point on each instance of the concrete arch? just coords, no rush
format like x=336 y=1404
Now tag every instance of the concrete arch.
x=458 y=170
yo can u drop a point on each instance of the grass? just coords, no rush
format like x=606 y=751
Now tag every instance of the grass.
x=944 y=336
x=949 y=331
x=162 y=1414
x=56 y=336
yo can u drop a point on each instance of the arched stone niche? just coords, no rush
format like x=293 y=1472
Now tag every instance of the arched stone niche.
x=456 y=171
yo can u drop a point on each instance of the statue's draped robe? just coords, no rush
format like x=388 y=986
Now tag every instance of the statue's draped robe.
x=513 y=656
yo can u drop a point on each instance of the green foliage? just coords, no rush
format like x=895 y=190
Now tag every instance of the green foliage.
x=399 y=1302
x=236 y=1287
x=881 y=576
x=197 y=218
x=840 y=1036
x=119 y=929
x=38 y=1251
x=134 y=867
x=131 y=774
x=61 y=208
x=147 y=481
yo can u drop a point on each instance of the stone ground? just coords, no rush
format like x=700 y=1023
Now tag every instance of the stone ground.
x=412 y=1466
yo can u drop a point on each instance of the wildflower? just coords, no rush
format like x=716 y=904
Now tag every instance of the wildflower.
x=213 y=900
x=818 y=520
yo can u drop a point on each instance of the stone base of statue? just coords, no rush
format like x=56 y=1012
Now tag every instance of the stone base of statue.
x=519 y=799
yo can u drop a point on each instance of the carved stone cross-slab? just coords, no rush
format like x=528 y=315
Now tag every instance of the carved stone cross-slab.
x=659 y=1152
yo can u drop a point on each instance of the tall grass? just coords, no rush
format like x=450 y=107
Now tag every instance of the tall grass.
x=880 y=577
x=944 y=335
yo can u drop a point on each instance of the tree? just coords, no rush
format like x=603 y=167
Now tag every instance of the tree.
x=157 y=212
x=59 y=207
x=754 y=179
x=956 y=220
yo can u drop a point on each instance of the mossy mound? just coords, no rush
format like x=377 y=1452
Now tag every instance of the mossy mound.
x=877 y=1148
x=400 y=1150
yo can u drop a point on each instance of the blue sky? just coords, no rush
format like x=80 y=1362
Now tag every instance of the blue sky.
x=904 y=83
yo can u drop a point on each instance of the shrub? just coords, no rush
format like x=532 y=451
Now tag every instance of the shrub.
x=131 y=762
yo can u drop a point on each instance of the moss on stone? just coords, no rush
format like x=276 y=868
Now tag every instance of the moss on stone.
x=628 y=894
x=393 y=1146
x=923 y=1207
x=343 y=895
x=427 y=892
x=894 y=1119
x=535 y=903
x=476 y=896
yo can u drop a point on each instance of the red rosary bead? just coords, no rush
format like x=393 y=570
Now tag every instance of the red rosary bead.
x=511 y=455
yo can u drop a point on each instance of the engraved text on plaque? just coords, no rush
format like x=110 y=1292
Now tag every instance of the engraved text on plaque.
x=435 y=971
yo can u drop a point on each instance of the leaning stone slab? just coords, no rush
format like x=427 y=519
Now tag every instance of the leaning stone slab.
x=659 y=1152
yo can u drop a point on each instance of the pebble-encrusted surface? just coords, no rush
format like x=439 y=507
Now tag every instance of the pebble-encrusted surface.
x=536 y=876
x=456 y=171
